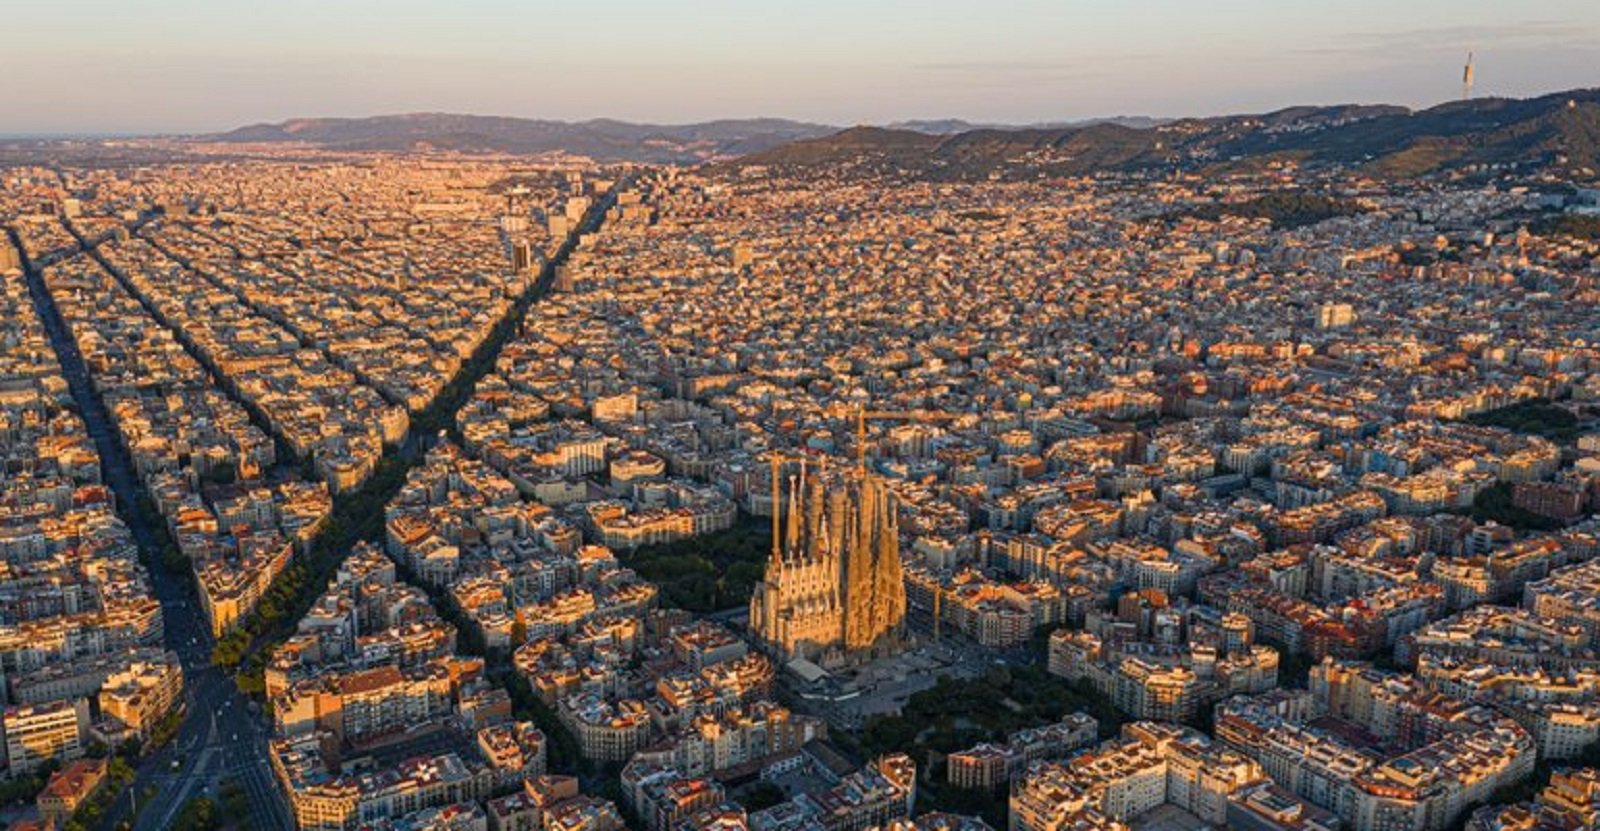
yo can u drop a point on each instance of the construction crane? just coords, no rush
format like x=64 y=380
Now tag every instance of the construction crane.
x=862 y=415
x=779 y=458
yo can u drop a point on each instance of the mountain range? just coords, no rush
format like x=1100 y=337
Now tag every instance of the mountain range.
x=1558 y=133
x=951 y=126
x=605 y=140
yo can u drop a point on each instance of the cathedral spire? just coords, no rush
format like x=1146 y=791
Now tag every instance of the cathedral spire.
x=794 y=521
x=775 y=562
x=836 y=588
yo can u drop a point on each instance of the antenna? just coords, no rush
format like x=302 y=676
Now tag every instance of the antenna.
x=1466 y=79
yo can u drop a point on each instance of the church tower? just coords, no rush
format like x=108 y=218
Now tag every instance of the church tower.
x=834 y=591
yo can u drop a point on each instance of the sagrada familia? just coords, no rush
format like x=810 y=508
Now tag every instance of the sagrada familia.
x=833 y=591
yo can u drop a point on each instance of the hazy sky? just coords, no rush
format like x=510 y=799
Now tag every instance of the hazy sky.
x=195 y=65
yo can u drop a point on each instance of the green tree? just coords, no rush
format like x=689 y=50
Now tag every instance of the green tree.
x=198 y=814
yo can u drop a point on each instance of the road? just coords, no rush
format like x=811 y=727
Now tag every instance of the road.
x=215 y=711
x=218 y=739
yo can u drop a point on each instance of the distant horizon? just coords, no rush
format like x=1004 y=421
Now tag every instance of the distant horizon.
x=49 y=135
x=182 y=67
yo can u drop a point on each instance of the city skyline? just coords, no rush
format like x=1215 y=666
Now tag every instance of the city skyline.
x=182 y=67
x=526 y=417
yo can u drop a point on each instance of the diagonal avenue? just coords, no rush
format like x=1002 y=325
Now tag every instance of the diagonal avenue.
x=219 y=739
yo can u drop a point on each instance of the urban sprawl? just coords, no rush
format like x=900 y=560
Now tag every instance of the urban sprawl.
x=384 y=491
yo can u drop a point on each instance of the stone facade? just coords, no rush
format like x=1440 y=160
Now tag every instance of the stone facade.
x=834 y=591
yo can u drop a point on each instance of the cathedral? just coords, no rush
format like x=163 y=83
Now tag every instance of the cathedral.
x=833 y=592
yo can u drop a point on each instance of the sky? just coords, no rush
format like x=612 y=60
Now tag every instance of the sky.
x=184 y=66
